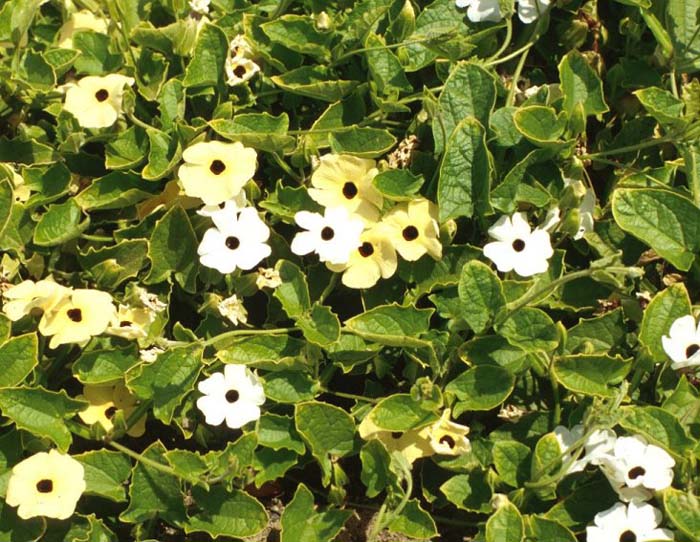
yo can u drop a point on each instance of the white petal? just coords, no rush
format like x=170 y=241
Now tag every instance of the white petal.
x=240 y=413
x=252 y=227
x=234 y=374
x=304 y=243
x=214 y=385
x=643 y=516
x=614 y=516
x=212 y=242
x=250 y=255
x=213 y=408
x=224 y=261
x=683 y=329
x=502 y=254
x=658 y=478
x=503 y=230
x=308 y=220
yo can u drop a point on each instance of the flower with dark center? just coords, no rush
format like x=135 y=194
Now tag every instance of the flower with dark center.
x=682 y=343
x=636 y=472
x=518 y=245
x=366 y=249
x=349 y=190
x=75 y=315
x=217 y=167
x=239 y=71
x=327 y=233
x=110 y=412
x=101 y=95
x=628 y=536
x=447 y=440
x=692 y=349
x=232 y=396
x=232 y=243
x=44 y=486
x=410 y=233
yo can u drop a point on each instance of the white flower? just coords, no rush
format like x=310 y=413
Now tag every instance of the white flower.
x=234 y=396
x=96 y=101
x=517 y=247
x=200 y=6
x=239 y=70
x=233 y=309
x=481 y=10
x=150 y=301
x=237 y=241
x=149 y=355
x=636 y=469
x=598 y=445
x=268 y=278
x=637 y=522
x=332 y=236
x=530 y=10
x=682 y=343
x=230 y=206
x=240 y=46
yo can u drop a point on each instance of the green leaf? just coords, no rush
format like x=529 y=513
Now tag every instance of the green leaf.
x=105 y=473
x=226 y=513
x=580 y=507
x=470 y=492
x=362 y=142
x=173 y=244
x=26 y=152
x=293 y=293
x=398 y=184
x=470 y=91
x=115 y=190
x=544 y=529
x=481 y=388
x=376 y=473
x=152 y=492
x=298 y=33
x=105 y=366
x=581 y=85
x=300 y=520
x=164 y=153
x=480 y=295
x=505 y=525
x=385 y=69
x=682 y=26
x=512 y=461
x=320 y=325
x=6 y=328
x=206 y=69
x=591 y=375
x=683 y=509
x=6 y=199
x=61 y=223
x=314 y=82
x=531 y=329
x=597 y=335
x=41 y=412
x=272 y=464
x=95 y=55
x=391 y=324
x=664 y=309
x=546 y=458
x=414 y=522
x=168 y=379
x=261 y=350
x=658 y=427
x=290 y=387
x=278 y=432
x=495 y=350
x=540 y=125
x=667 y=222
x=258 y=130
x=36 y=71
x=18 y=357
x=328 y=430
x=465 y=173
x=400 y=412
x=127 y=150
x=153 y=73
x=662 y=105
x=109 y=266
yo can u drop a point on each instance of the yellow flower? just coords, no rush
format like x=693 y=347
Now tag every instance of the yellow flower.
x=104 y=401
x=413 y=444
x=81 y=20
x=46 y=484
x=85 y=314
x=96 y=101
x=216 y=171
x=414 y=230
x=342 y=180
x=448 y=437
x=375 y=258
x=131 y=322
x=29 y=297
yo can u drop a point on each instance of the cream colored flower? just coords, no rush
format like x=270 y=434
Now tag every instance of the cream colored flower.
x=268 y=277
x=413 y=229
x=76 y=319
x=216 y=171
x=104 y=401
x=46 y=484
x=412 y=444
x=448 y=437
x=96 y=102
x=28 y=297
x=131 y=322
x=150 y=301
x=200 y=6
x=342 y=180
x=375 y=258
x=239 y=70
x=80 y=20
x=233 y=309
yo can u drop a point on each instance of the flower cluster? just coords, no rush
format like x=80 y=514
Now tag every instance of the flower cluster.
x=355 y=236
x=239 y=67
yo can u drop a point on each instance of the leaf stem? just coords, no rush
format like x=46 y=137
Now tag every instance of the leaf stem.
x=628 y=148
x=510 y=100
x=246 y=332
x=351 y=396
x=97 y=238
x=506 y=41
x=165 y=469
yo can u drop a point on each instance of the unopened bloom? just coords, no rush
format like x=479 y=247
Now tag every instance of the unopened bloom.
x=518 y=247
x=332 y=236
x=342 y=180
x=413 y=229
x=598 y=446
x=636 y=522
x=268 y=277
x=46 y=484
x=131 y=322
x=232 y=205
x=636 y=469
x=215 y=171
x=375 y=258
x=80 y=20
x=682 y=343
x=530 y=10
x=76 y=319
x=448 y=437
x=28 y=297
x=233 y=309
x=104 y=401
x=237 y=242
x=412 y=444
x=233 y=396
x=96 y=102
x=149 y=300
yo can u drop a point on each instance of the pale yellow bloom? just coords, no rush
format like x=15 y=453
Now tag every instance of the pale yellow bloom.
x=233 y=309
x=216 y=171
x=80 y=20
x=85 y=314
x=375 y=258
x=268 y=278
x=413 y=444
x=96 y=102
x=239 y=70
x=413 y=229
x=131 y=322
x=448 y=437
x=342 y=180
x=104 y=401
x=46 y=484
x=28 y=297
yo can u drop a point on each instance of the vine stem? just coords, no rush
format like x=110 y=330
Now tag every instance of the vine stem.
x=506 y=41
x=246 y=332
x=628 y=148
x=351 y=396
x=516 y=75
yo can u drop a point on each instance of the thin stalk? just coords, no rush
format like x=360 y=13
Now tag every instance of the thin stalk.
x=516 y=75
x=246 y=332
x=380 y=48
x=97 y=238
x=282 y=164
x=351 y=396
x=628 y=148
x=556 y=395
x=143 y=459
x=506 y=42
x=329 y=288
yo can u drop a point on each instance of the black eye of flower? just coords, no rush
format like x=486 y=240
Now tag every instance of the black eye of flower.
x=327 y=233
x=232 y=243
x=124 y=323
x=349 y=190
x=44 y=486
x=75 y=314
x=447 y=439
x=232 y=396
x=110 y=412
x=691 y=350
x=396 y=435
x=366 y=250
x=628 y=536
x=636 y=472
x=101 y=95
x=217 y=167
x=410 y=233
x=239 y=71
x=518 y=245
